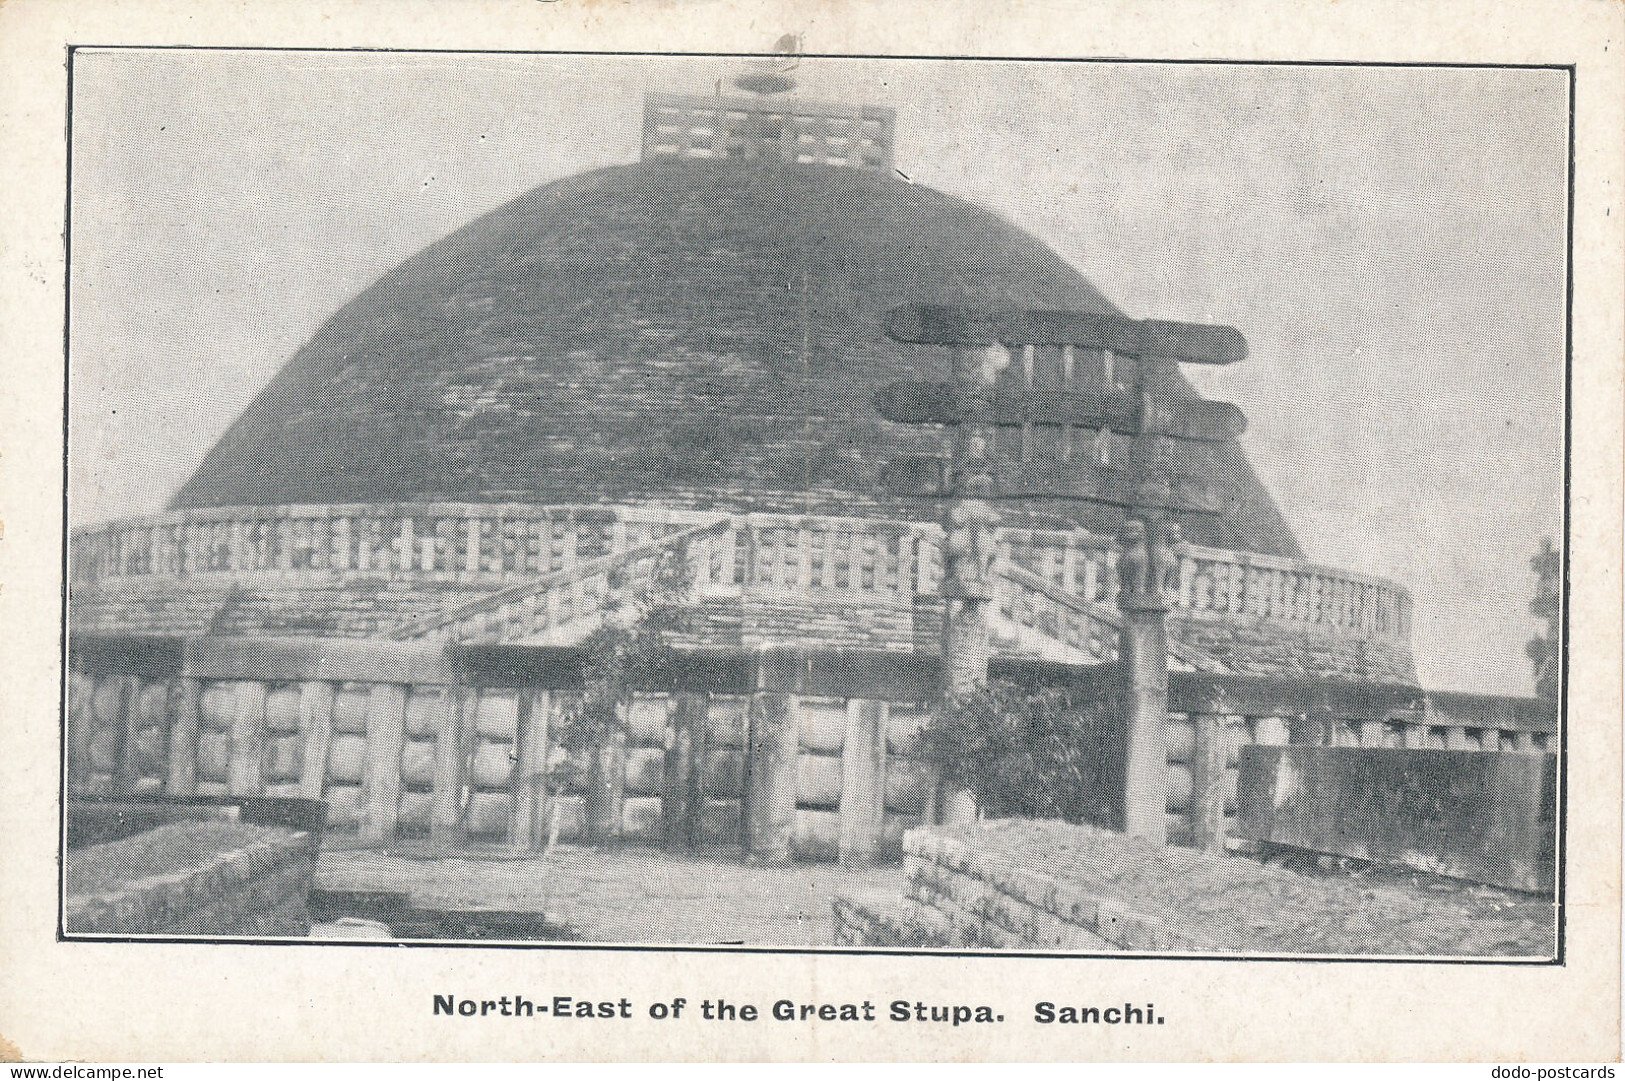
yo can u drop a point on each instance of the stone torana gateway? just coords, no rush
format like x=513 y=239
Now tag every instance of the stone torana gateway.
x=675 y=356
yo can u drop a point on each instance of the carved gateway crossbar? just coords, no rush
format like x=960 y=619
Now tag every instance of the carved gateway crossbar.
x=1143 y=403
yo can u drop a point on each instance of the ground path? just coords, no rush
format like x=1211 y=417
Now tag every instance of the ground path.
x=630 y=894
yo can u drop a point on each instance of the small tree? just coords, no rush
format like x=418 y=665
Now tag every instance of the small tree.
x=1031 y=753
x=630 y=652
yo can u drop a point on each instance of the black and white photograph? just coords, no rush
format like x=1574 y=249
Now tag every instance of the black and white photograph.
x=795 y=502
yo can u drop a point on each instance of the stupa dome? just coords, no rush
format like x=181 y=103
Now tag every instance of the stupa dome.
x=683 y=332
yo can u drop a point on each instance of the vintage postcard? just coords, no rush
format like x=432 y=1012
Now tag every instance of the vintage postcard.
x=746 y=533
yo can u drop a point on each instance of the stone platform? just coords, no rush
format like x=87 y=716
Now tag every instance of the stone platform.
x=1056 y=887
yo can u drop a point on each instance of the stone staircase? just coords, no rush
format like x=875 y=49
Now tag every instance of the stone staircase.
x=1033 y=617
x=559 y=608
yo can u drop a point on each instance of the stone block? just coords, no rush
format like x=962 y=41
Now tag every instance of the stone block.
x=343 y=805
x=1179 y=733
x=487 y=813
x=213 y=756
x=818 y=780
x=417 y=763
x=282 y=708
x=722 y=773
x=491 y=765
x=1482 y=816
x=720 y=822
x=217 y=704
x=645 y=771
x=350 y=709
x=346 y=758
x=417 y=809
x=646 y=721
x=423 y=712
x=640 y=819
x=821 y=726
x=816 y=836
x=725 y=721
x=497 y=715
x=284 y=758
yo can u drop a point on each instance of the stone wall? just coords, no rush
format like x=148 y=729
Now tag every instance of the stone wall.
x=1484 y=818
x=992 y=902
x=1054 y=887
x=408 y=740
x=363 y=606
x=257 y=884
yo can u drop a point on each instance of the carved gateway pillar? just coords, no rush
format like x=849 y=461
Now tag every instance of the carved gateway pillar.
x=1147 y=575
x=968 y=526
x=970 y=544
x=1148 y=405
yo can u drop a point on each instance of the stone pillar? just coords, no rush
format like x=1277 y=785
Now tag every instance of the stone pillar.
x=381 y=775
x=454 y=718
x=967 y=639
x=1210 y=761
x=863 y=781
x=126 y=768
x=245 y=766
x=770 y=779
x=1143 y=655
x=316 y=722
x=685 y=755
x=969 y=542
x=182 y=779
x=606 y=800
x=527 y=829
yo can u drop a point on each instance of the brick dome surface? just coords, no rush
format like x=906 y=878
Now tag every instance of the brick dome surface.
x=691 y=334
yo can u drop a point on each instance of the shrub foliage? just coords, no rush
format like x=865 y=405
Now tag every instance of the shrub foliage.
x=1031 y=753
x=630 y=652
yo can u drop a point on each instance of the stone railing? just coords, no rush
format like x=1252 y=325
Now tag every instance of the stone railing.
x=1245 y=585
x=435 y=541
x=1210 y=719
x=407 y=739
x=771 y=557
x=789 y=755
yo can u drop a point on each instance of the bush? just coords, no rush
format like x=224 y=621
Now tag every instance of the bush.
x=630 y=652
x=1032 y=753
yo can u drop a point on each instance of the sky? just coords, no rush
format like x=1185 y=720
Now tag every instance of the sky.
x=1390 y=240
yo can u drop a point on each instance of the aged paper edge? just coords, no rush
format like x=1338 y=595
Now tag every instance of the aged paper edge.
x=96 y=1001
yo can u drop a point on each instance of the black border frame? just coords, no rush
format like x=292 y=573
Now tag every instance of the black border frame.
x=1561 y=850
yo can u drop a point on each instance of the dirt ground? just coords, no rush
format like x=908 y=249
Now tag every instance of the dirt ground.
x=625 y=895
x=648 y=896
